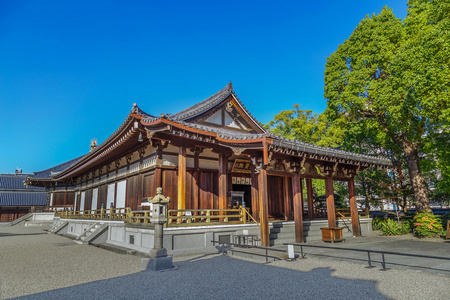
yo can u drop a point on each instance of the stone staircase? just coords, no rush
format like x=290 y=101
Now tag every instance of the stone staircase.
x=21 y=219
x=58 y=227
x=92 y=233
x=34 y=220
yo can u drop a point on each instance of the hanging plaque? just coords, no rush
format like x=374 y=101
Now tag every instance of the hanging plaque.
x=241 y=166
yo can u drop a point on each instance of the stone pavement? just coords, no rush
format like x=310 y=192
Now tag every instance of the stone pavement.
x=37 y=265
x=402 y=244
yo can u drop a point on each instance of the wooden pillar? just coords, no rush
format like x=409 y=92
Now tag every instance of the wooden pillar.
x=223 y=164
x=182 y=178
x=263 y=208
x=254 y=192
x=287 y=199
x=158 y=170
x=298 y=212
x=331 y=213
x=354 y=208
x=196 y=175
x=309 y=194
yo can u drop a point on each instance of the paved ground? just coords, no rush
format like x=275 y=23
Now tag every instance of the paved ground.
x=36 y=265
x=403 y=244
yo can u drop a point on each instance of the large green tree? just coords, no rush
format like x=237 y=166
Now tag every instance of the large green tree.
x=307 y=126
x=395 y=76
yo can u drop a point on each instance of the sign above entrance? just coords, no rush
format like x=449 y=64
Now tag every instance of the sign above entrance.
x=241 y=166
x=241 y=180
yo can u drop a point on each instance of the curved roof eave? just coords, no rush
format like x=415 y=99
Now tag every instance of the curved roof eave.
x=136 y=114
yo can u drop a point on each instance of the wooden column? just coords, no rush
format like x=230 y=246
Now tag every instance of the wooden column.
x=182 y=178
x=309 y=194
x=254 y=191
x=223 y=164
x=331 y=213
x=287 y=199
x=298 y=212
x=354 y=208
x=196 y=175
x=263 y=208
x=158 y=171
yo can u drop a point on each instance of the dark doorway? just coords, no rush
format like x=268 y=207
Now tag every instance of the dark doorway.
x=247 y=189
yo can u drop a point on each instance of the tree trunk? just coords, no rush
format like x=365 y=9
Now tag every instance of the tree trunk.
x=419 y=187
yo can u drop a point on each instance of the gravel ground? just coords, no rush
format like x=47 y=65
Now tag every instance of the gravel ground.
x=37 y=265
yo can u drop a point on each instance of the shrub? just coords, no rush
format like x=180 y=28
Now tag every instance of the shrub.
x=444 y=219
x=376 y=223
x=427 y=225
x=391 y=227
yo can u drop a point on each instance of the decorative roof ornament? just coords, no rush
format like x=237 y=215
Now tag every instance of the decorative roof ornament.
x=94 y=144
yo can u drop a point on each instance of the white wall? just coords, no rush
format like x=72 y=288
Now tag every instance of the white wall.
x=94 y=199
x=121 y=193
x=83 y=195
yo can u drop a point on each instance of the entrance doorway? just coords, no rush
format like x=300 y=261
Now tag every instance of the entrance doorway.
x=247 y=189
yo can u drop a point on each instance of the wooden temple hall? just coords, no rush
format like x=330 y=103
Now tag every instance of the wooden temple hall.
x=201 y=157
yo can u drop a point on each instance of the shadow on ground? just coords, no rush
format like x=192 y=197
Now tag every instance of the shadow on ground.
x=19 y=234
x=220 y=277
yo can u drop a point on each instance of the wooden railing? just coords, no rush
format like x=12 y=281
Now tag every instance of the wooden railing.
x=206 y=216
x=176 y=217
x=345 y=213
x=112 y=214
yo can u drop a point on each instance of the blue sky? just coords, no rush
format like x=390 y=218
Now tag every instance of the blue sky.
x=70 y=71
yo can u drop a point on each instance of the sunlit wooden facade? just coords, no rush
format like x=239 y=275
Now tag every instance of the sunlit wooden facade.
x=201 y=154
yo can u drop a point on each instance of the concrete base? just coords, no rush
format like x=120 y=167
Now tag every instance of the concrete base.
x=156 y=264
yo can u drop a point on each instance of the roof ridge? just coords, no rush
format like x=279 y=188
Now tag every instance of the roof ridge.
x=203 y=105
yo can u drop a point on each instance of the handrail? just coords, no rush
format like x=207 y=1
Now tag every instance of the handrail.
x=176 y=217
x=202 y=216
x=248 y=247
x=248 y=213
x=383 y=263
x=343 y=219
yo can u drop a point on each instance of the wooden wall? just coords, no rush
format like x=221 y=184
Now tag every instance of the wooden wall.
x=275 y=187
x=63 y=198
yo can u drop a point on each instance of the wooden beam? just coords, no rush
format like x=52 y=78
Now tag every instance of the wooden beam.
x=354 y=208
x=263 y=208
x=298 y=212
x=223 y=164
x=287 y=199
x=331 y=213
x=309 y=194
x=254 y=194
x=182 y=178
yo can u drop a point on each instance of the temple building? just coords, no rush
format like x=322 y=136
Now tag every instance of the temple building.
x=18 y=199
x=200 y=156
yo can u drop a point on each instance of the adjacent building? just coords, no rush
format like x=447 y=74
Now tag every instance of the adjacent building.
x=18 y=199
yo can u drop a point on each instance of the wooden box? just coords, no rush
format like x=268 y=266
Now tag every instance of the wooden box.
x=332 y=234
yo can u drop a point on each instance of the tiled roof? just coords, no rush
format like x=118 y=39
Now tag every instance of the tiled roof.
x=23 y=198
x=183 y=116
x=49 y=173
x=287 y=143
x=134 y=110
x=16 y=182
x=203 y=106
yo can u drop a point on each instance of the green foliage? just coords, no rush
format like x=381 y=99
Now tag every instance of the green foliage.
x=392 y=227
x=376 y=223
x=306 y=126
x=427 y=225
x=389 y=83
x=444 y=220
